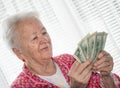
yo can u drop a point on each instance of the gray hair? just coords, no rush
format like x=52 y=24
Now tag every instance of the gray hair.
x=10 y=27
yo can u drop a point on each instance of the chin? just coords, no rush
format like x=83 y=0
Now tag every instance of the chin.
x=48 y=55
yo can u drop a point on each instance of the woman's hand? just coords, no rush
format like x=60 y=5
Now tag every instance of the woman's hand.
x=80 y=74
x=104 y=64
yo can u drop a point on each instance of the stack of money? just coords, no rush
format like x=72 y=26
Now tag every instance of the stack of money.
x=90 y=46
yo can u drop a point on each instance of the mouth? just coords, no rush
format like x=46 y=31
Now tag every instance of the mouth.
x=44 y=48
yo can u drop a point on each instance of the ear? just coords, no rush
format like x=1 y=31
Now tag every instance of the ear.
x=18 y=54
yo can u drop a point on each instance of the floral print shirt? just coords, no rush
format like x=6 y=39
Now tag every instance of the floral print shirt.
x=26 y=79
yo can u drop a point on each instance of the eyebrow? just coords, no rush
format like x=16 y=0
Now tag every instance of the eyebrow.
x=43 y=28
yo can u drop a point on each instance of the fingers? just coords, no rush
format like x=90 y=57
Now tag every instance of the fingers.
x=104 y=63
x=104 y=57
x=81 y=72
x=103 y=67
x=102 y=53
x=87 y=70
x=77 y=65
x=74 y=66
x=83 y=66
x=85 y=75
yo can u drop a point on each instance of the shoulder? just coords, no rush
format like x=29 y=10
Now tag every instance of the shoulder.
x=66 y=59
x=20 y=81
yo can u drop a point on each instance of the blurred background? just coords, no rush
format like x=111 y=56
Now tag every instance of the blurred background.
x=67 y=22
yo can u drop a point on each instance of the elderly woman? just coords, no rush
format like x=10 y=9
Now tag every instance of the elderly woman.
x=29 y=40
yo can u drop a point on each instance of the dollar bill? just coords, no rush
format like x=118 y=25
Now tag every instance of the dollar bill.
x=90 y=46
x=104 y=39
x=79 y=55
x=83 y=46
x=98 y=45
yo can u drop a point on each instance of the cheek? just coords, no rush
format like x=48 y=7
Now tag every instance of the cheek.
x=50 y=42
x=32 y=51
x=32 y=47
x=48 y=39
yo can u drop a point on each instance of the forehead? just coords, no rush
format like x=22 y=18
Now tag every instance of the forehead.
x=29 y=25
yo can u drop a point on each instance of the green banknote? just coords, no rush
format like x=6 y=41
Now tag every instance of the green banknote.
x=79 y=55
x=90 y=46
x=98 y=45
x=83 y=46
x=91 y=43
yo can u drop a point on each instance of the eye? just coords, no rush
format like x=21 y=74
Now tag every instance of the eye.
x=44 y=33
x=35 y=38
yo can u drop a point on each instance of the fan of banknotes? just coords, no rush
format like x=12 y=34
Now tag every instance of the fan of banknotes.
x=90 y=46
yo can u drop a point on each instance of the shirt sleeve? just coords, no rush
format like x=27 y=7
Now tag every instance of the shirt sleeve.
x=116 y=79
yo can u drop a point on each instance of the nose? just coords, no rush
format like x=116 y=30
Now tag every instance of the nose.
x=43 y=40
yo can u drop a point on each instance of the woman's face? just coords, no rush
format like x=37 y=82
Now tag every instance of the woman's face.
x=34 y=41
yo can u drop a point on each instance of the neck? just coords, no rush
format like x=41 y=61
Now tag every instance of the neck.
x=44 y=68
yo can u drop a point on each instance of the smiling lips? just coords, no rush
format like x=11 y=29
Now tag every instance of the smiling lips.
x=44 y=48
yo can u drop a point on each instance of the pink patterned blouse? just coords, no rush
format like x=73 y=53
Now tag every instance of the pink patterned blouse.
x=28 y=80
